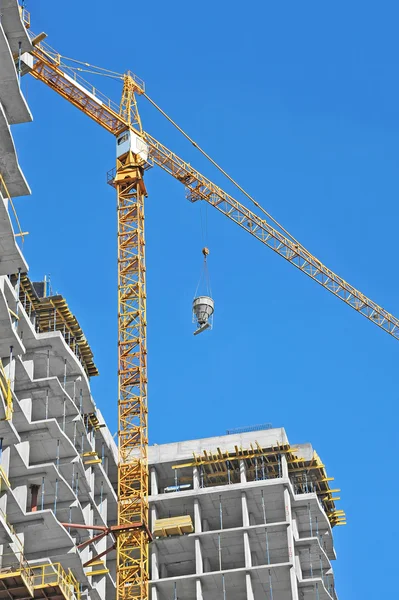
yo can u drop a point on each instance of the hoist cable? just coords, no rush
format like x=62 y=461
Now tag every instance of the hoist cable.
x=215 y=164
x=86 y=64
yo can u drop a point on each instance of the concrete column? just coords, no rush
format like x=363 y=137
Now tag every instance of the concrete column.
x=207 y=565
x=5 y=460
x=9 y=368
x=295 y=528
x=154 y=593
x=288 y=518
x=34 y=491
x=247 y=551
x=21 y=495
x=205 y=525
x=3 y=506
x=198 y=590
x=154 y=562
x=197 y=516
x=199 y=569
x=164 y=570
x=154 y=482
x=244 y=506
x=284 y=466
x=254 y=559
x=294 y=584
x=248 y=583
x=100 y=546
x=243 y=472
x=103 y=507
x=101 y=585
x=26 y=405
x=153 y=516
x=87 y=513
x=196 y=478
x=298 y=568
x=87 y=553
x=90 y=478
x=28 y=364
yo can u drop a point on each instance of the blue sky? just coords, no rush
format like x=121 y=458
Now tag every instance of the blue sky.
x=298 y=101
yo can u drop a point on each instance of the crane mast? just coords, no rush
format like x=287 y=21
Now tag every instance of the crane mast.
x=132 y=541
x=132 y=531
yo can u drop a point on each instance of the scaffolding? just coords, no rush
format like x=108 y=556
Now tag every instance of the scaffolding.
x=307 y=476
x=47 y=580
x=52 y=313
x=5 y=386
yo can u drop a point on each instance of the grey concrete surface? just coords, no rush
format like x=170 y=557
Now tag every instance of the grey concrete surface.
x=11 y=258
x=13 y=26
x=9 y=166
x=11 y=97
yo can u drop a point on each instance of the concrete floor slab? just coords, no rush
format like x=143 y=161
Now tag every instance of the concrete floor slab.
x=14 y=27
x=8 y=336
x=59 y=352
x=180 y=451
x=11 y=97
x=9 y=166
x=11 y=257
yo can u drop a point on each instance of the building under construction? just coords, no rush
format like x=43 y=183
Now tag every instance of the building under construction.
x=58 y=459
x=242 y=516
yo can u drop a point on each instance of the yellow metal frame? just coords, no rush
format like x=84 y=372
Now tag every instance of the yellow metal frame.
x=53 y=575
x=5 y=386
x=40 y=577
x=132 y=541
x=215 y=470
x=6 y=193
x=25 y=16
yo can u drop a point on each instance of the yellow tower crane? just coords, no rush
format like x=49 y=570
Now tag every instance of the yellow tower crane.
x=137 y=150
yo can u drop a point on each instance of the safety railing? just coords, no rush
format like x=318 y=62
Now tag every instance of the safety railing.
x=4 y=191
x=58 y=60
x=17 y=540
x=25 y=16
x=53 y=574
x=5 y=386
x=27 y=577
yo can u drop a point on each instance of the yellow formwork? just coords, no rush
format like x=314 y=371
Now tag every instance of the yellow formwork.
x=219 y=467
x=173 y=526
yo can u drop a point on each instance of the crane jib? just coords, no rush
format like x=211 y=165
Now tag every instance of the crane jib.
x=199 y=187
x=132 y=533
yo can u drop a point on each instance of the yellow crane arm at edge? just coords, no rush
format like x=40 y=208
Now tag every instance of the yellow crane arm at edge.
x=47 y=68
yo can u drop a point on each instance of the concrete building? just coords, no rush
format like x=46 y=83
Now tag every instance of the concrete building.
x=57 y=458
x=242 y=516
